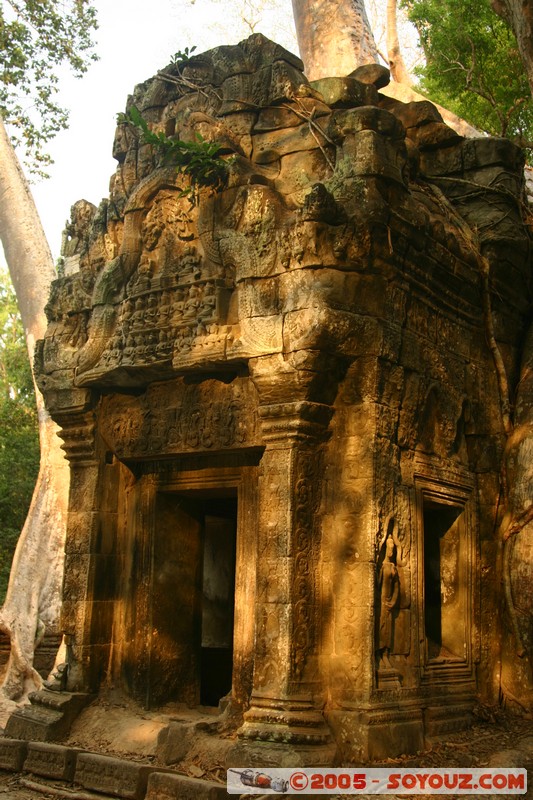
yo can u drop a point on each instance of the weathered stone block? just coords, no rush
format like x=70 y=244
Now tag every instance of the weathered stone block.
x=417 y=113
x=433 y=135
x=267 y=86
x=299 y=173
x=260 y=50
x=102 y=576
x=271 y=145
x=82 y=527
x=73 y=617
x=442 y=161
x=375 y=734
x=374 y=154
x=84 y=488
x=77 y=567
x=366 y=118
x=90 y=661
x=487 y=151
x=174 y=742
x=32 y=722
x=260 y=299
x=261 y=334
x=289 y=115
x=12 y=754
x=101 y=617
x=48 y=717
x=51 y=760
x=448 y=717
x=376 y=74
x=113 y=776
x=346 y=92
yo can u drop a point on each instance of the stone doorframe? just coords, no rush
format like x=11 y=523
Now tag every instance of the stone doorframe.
x=445 y=501
x=200 y=482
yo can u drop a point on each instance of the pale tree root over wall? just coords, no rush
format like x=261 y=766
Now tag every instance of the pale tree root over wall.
x=33 y=598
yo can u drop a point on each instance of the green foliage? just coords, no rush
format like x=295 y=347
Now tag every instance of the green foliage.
x=19 y=441
x=473 y=66
x=36 y=38
x=182 y=56
x=199 y=160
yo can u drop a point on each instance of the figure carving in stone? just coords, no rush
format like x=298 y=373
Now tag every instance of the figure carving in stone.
x=193 y=302
x=145 y=271
x=388 y=596
x=389 y=586
x=77 y=228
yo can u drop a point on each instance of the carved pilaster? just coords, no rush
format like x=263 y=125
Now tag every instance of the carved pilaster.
x=78 y=435
x=286 y=697
x=73 y=410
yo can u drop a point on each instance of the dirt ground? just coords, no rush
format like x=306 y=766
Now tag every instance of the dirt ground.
x=116 y=727
x=10 y=788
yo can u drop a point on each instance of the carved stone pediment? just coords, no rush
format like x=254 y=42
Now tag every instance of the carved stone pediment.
x=319 y=187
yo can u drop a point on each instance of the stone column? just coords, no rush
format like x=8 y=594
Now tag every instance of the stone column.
x=89 y=587
x=78 y=434
x=287 y=696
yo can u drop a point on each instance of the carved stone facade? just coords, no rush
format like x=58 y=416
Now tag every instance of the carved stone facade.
x=282 y=415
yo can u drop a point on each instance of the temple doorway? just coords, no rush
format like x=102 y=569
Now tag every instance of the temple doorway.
x=193 y=597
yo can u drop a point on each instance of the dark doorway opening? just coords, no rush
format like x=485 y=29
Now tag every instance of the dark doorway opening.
x=218 y=598
x=193 y=597
x=443 y=581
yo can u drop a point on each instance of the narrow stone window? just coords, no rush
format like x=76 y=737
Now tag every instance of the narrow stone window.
x=445 y=581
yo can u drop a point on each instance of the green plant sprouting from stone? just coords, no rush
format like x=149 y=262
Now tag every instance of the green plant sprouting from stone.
x=199 y=160
x=182 y=56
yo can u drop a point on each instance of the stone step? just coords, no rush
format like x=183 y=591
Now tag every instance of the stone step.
x=181 y=740
x=48 y=717
x=100 y=776
x=48 y=760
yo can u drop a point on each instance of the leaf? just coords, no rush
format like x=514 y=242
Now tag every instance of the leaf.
x=198 y=159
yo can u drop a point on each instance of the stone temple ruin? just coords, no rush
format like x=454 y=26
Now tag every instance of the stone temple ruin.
x=282 y=414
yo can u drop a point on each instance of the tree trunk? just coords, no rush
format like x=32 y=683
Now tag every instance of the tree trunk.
x=519 y=15
x=516 y=530
x=34 y=593
x=397 y=66
x=517 y=525
x=334 y=36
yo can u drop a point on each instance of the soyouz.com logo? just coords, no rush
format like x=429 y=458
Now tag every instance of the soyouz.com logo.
x=377 y=781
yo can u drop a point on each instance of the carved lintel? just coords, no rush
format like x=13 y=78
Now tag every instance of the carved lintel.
x=174 y=418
